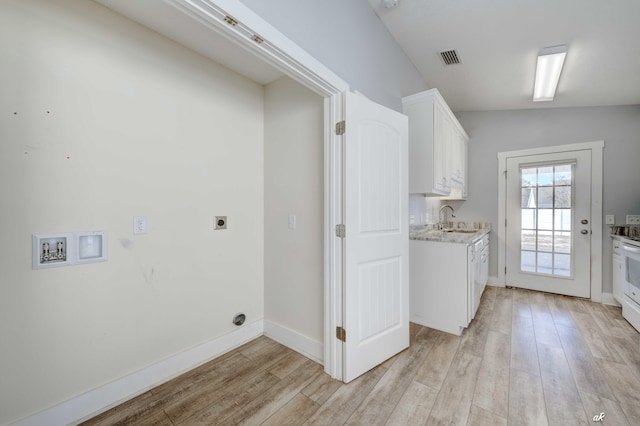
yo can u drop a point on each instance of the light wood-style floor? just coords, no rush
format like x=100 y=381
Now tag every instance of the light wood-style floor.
x=528 y=358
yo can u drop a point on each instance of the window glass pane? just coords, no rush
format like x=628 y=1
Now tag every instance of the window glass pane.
x=545 y=176
x=529 y=177
x=563 y=197
x=562 y=265
x=562 y=220
x=528 y=240
x=545 y=263
x=528 y=218
x=545 y=241
x=545 y=197
x=545 y=219
x=563 y=174
x=562 y=242
x=529 y=198
x=528 y=261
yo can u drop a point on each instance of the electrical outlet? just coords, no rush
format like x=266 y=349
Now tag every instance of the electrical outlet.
x=140 y=225
x=293 y=221
x=610 y=219
x=633 y=219
x=220 y=223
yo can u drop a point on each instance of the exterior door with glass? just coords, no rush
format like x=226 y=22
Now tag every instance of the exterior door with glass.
x=548 y=227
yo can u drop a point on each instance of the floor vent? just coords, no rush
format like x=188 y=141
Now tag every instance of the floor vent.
x=450 y=57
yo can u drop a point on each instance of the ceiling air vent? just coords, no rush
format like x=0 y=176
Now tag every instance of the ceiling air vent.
x=450 y=57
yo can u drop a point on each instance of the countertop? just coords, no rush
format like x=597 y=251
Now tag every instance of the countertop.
x=448 y=235
x=624 y=232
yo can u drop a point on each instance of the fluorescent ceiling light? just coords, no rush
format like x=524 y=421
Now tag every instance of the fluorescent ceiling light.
x=550 y=61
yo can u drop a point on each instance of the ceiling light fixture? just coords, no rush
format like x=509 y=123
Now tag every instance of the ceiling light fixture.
x=550 y=61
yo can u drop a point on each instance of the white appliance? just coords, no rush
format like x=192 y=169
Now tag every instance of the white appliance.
x=480 y=268
x=631 y=284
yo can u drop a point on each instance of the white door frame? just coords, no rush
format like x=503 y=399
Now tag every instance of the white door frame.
x=254 y=34
x=596 y=148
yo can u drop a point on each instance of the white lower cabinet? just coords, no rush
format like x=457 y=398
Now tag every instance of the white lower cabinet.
x=617 y=276
x=441 y=276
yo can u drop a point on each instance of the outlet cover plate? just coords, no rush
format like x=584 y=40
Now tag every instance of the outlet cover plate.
x=140 y=225
x=633 y=219
x=610 y=219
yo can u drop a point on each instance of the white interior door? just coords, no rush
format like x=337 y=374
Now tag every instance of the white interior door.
x=376 y=243
x=548 y=231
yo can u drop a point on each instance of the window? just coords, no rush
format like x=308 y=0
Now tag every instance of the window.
x=546 y=209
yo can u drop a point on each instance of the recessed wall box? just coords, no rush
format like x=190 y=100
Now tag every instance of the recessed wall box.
x=91 y=246
x=52 y=250
x=220 y=222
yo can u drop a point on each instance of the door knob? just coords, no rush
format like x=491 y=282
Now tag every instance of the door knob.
x=584 y=221
x=584 y=232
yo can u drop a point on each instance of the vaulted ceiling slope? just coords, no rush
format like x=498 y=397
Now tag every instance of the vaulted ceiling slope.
x=497 y=42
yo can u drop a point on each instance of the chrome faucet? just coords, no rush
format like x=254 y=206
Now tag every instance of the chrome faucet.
x=442 y=215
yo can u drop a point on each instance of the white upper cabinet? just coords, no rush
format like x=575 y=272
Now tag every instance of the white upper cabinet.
x=459 y=169
x=441 y=146
x=437 y=147
x=458 y=146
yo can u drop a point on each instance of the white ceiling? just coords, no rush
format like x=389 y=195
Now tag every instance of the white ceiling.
x=498 y=42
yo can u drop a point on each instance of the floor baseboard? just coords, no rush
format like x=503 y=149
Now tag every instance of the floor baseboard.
x=312 y=349
x=99 y=400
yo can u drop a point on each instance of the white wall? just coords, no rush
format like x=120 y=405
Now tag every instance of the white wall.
x=138 y=125
x=348 y=38
x=424 y=210
x=293 y=185
x=497 y=131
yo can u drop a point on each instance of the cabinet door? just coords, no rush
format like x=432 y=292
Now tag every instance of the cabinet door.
x=464 y=156
x=617 y=274
x=457 y=166
x=441 y=144
x=617 y=277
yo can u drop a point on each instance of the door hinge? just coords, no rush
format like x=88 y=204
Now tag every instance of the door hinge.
x=341 y=334
x=340 y=127
x=229 y=20
x=341 y=231
x=505 y=270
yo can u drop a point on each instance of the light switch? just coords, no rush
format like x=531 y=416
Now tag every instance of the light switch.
x=292 y=221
